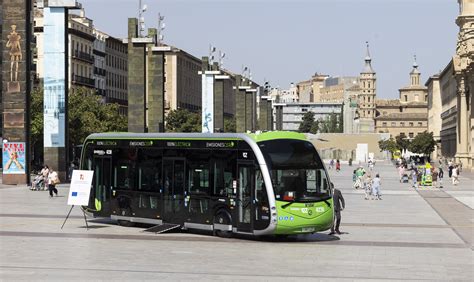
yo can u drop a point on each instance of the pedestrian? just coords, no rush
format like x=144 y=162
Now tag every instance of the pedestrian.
x=53 y=180
x=450 y=169
x=350 y=161
x=376 y=188
x=339 y=206
x=371 y=165
x=338 y=165
x=368 y=186
x=455 y=175
x=401 y=172
x=434 y=177
x=440 y=177
x=331 y=164
x=45 y=173
x=414 y=177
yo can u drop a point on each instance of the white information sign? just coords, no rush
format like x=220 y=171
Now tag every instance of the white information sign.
x=80 y=187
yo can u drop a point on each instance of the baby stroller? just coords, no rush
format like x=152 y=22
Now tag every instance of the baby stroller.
x=38 y=183
x=405 y=178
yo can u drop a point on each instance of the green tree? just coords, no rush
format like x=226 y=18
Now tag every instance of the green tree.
x=333 y=122
x=403 y=143
x=315 y=127
x=388 y=145
x=87 y=114
x=423 y=143
x=340 y=125
x=36 y=125
x=324 y=125
x=229 y=124
x=307 y=122
x=182 y=120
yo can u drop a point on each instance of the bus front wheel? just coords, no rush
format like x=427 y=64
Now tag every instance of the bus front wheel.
x=223 y=217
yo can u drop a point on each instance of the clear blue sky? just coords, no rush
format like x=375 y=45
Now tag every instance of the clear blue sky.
x=288 y=41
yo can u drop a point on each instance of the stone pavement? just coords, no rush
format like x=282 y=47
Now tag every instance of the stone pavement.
x=423 y=234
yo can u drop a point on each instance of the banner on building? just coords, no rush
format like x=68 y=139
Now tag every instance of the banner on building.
x=14 y=161
x=207 y=103
x=54 y=77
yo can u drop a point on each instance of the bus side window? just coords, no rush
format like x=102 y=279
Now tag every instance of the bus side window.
x=223 y=166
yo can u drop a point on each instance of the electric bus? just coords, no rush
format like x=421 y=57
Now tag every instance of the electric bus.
x=225 y=183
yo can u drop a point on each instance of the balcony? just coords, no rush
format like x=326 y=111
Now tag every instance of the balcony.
x=99 y=71
x=83 y=56
x=81 y=80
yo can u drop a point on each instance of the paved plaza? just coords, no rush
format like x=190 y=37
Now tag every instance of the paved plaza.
x=424 y=234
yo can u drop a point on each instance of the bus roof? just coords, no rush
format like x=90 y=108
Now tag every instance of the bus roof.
x=257 y=137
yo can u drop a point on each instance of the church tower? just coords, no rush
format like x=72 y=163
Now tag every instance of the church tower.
x=366 y=107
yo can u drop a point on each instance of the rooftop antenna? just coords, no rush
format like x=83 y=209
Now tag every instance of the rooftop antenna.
x=161 y=27
x=212 y=50
x=141 y=19
x=221 y=58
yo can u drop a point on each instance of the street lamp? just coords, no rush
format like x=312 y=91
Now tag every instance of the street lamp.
x=141 y=19
x=161 y=27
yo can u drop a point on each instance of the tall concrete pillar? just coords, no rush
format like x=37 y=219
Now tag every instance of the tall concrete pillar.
x=263 y=114
x=219 y=104
x=156 y=85
x=16 y=86
x=270 y=114
x=240 y=105
x=249 y=109
x=279 y=117
x=136 y=78
x=462 y=154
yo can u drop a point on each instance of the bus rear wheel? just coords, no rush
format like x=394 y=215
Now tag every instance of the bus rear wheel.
x=223 y=217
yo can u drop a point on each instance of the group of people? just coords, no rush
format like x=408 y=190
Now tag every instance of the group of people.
x=428 y=174
x=47 y=178
x=363 y=180
x=338 y=164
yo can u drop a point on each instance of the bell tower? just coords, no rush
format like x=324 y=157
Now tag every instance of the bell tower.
x=366 y=105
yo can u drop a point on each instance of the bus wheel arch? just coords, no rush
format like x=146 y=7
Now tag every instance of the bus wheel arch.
x=222 y=216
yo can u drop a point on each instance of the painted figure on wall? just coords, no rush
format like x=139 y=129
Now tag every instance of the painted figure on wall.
x=15 y=52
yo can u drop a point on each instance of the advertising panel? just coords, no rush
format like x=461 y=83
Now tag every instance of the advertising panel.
x=54 y=77
x=207 y=103
x=14 y=158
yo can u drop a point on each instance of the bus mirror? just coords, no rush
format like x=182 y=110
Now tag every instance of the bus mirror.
x=332 y=186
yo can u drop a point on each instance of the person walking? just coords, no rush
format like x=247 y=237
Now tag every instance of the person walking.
x=455 y=175
x=376 y=188
x=339 y=205
x=414 y=177
x=401 y=172
x=368 y=186
x=338 y=165
x=331 y=164
x=53 y=180
x=440 y=177
x=450 y=169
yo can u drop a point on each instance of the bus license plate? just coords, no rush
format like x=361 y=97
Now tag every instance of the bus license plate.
x=308 y=229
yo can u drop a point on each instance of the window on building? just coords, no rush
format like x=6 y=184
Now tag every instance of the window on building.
x=402 y=123
x=406 y=98
x=411 y=135
x=393 y=124
x=384 y=123
x=410 y=124
x=420 y=123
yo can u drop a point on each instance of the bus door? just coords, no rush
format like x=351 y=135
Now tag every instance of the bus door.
x=173 y=189
x=244 y=212
x=102 y=185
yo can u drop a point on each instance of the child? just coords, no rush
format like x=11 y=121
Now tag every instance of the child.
x=376 y=188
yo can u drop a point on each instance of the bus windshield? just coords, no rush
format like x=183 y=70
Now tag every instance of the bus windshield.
x=297 y=172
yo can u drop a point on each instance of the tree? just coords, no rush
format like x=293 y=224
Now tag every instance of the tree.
x=340 y=125
x=87 y=114
x=315 y=127
x=307 y=122
x=36 y=125
x=423 y=143
x=388 y=145
x=403 y=143
x=333 y=122
x=182 y=120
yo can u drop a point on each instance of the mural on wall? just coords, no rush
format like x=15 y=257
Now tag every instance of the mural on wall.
x=13 y=43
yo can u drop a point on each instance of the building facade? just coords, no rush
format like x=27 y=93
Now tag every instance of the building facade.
x=434 y=112
x=463 y=64
x=288 y=116
x=99 y=62
x=408 y=115
x=116 y=72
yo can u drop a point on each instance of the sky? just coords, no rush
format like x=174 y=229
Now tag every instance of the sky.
x=284 y=41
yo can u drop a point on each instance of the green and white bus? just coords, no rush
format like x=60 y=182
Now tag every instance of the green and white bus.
x=260 y=184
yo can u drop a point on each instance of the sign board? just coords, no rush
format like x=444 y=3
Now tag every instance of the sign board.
x=13 y=157
x=362 y=152
x=80 y=187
